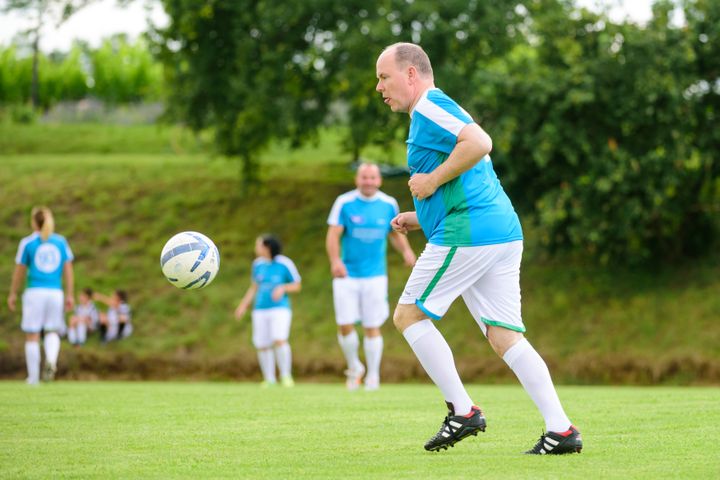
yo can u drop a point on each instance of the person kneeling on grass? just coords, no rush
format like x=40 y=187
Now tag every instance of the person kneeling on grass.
x=273 y=277
x=84 y=318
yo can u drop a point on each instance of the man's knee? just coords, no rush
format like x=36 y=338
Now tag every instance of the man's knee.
x=406 y=315
x=501 y=339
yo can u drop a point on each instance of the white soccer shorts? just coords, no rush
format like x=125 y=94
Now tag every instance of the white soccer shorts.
x=487 y=277
x=361 y=300
x=42 y=308
x=270 y=325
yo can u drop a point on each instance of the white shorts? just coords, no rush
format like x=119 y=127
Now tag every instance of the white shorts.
x=361 y=300
x=487 y=277
x=270 y=325
x=42 y=309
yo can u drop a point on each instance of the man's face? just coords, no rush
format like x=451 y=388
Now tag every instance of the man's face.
x=393 y=83
x=368 y=180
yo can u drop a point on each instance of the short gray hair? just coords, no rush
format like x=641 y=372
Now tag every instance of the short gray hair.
x=411 y=54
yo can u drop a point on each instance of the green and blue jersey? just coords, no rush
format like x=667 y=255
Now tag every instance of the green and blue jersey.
x=471 y=209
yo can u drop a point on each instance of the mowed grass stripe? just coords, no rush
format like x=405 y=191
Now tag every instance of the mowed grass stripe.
x=181 y=430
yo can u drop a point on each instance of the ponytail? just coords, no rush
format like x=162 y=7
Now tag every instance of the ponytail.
x=41 y=219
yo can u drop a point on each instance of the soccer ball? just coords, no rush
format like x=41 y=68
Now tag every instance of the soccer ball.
x=190 y=260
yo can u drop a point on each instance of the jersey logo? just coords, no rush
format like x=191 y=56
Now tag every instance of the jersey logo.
x=47 y=258
x=356 y=218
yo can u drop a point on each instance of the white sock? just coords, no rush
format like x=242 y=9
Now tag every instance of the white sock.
x=52 y=348
x=82 y=333
x=534 y=376
x=266 y=358
x=284 y=359
x=373 y=354
x=32 y=360
x=437 y=359
x=350 y=344
x=72 y=337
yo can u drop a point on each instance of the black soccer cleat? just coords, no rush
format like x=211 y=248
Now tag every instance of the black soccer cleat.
x=554 y=443
x=456 y=427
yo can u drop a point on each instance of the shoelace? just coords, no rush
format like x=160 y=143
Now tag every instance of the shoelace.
x=445 y=424
x=539 y=445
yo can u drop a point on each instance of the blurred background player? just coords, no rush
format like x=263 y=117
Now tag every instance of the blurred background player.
x=115 y=324
x=43 y=258
x=273 y=277
x=83 y=319
x=358 y=226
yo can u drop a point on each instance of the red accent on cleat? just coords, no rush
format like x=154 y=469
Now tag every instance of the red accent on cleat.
x=566 y=432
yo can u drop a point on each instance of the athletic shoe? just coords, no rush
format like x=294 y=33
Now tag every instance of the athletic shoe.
x=558 y=443
x=48 y=373
x=456 y=427
x=354 y=377
x=287 y=382
x=372 y=383
x=266 y=384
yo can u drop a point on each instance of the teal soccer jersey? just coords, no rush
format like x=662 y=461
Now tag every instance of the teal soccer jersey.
x=469 y=210
x=366 y=223
x=268 y=275
x=44 y=260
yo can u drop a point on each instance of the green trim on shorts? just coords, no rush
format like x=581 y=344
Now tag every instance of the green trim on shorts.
x=494 y=323
x=438 y=274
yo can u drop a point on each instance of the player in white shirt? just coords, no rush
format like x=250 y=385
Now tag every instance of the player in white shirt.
x=356 y=243
x=116 y=323
x=44 y=260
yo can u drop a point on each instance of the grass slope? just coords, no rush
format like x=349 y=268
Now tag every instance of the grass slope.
x=118 y=209
x=227 y=430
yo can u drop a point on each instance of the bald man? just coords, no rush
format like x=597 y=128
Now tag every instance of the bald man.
x=474 y=249
x=356 y=243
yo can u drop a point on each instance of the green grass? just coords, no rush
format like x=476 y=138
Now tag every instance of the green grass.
x=593 y=325
x=227 y=430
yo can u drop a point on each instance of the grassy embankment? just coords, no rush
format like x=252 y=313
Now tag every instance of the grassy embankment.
x=119 y=192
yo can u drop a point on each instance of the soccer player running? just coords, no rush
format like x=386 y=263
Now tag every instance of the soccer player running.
x=474 y=249
x=43 y=258
x=360 y=221
x=273 y=277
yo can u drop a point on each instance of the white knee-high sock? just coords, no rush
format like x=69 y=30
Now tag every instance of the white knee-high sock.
x=350 y=344
x=284 y=359
x=52 y=348
x=373 y=355
x=437 y=359
x=32 y=360
x=534 y=376
x=72 y=336
x=266 y=359
x=81 y=333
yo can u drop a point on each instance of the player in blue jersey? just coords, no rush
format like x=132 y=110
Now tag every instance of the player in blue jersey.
x=44 y=260
x=273 y=277
x=474 y=250
x=359 y=224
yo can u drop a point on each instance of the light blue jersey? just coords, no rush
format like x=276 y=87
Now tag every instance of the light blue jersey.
x=44 y=260
x=268 y=274
x=471 y=209
x=366 y=223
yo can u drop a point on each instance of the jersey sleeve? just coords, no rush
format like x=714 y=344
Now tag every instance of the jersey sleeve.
x=291 y=272
x=254 y=270
x=438 y=121
x=23 y=256
x=336 y=217
x=67 y=251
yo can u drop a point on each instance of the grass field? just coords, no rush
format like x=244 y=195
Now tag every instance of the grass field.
x=230 y=430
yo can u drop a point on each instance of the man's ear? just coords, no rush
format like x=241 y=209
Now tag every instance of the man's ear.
x=412 y=75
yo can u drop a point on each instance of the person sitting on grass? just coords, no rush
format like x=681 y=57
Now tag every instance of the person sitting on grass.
x=115 y=324
x=84 y=318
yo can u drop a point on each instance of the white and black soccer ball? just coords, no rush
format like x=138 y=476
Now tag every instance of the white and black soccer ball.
x=190 y=260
